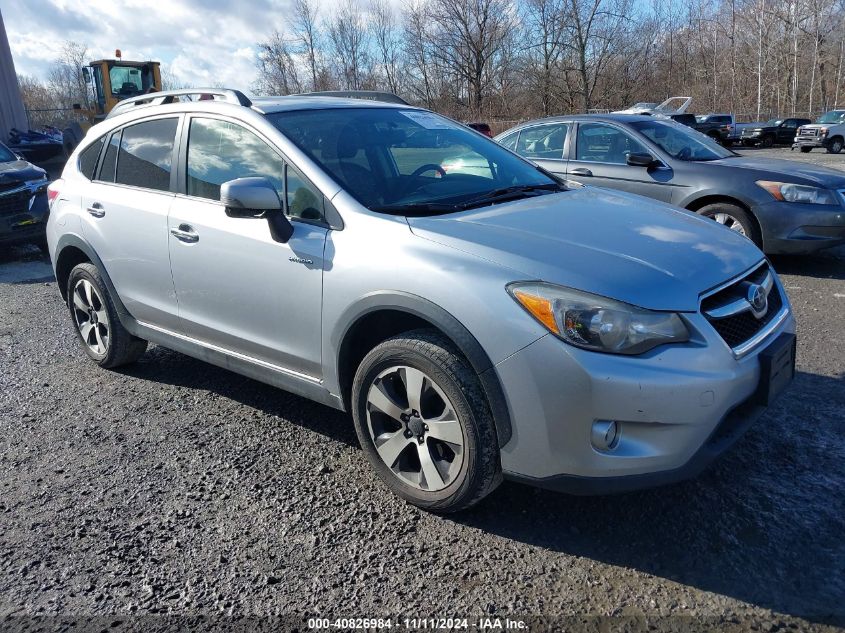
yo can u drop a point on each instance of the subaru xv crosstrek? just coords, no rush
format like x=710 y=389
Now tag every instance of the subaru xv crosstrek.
x=478 y=324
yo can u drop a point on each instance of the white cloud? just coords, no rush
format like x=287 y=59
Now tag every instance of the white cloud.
x=199 y=42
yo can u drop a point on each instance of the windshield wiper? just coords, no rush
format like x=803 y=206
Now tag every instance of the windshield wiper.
x=510 y=193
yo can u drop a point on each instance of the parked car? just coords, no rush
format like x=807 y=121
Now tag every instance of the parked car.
x=23 y=200
x=672 y=105
x=476 y=326
x=783 y=206
x=773 y=132
x=828 y=131
x=721 y=127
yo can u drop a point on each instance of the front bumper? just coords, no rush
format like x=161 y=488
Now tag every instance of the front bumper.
x=23 y=214
x=793 y=228
x=810 y=141
x=678 y=407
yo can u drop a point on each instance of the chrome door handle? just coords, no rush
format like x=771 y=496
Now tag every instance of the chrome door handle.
x=96 y=210
x=580 y=171
x=185 y=233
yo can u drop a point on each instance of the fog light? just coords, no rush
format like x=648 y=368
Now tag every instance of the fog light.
x=605 y=435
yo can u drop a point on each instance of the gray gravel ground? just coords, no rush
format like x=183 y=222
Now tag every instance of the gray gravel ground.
x=179 y=489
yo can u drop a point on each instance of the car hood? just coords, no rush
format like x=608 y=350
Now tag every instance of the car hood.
x=612 y=244
x=17 y=171
x=789 y=170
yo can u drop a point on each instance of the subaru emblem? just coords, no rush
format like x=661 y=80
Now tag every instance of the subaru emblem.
x=757 y=298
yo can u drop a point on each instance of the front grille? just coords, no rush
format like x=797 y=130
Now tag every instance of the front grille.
x=731 y=314
x=15 y=203
x=812 y=131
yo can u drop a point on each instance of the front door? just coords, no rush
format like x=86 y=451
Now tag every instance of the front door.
x=600 y=159
x=238 y=289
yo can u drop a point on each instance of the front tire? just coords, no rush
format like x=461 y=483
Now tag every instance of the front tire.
x=424 y=423
x=835 y=145
x=98 y=327
x=768 y=141
x=806 y=150
x=735 y=218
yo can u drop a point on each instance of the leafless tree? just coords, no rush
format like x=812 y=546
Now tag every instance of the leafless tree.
x=305 y=27
x=388 y=44
x=278 y=68
x=350 y=43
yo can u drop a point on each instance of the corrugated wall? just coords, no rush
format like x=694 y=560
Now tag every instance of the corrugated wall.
x=12 y=113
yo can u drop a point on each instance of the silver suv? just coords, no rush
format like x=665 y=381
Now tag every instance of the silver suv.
x=477 y=318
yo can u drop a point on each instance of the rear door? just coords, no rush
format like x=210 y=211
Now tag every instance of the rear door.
x=544 y=145
x=599 y=157
x=238 y=289
x=126 y=221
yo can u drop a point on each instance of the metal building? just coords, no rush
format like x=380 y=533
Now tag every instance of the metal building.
x=12 y=113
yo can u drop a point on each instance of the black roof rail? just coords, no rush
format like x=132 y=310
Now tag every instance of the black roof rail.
x=369 y=95
x=235 y=97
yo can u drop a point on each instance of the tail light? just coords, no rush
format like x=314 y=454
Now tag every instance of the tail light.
x=53 y=191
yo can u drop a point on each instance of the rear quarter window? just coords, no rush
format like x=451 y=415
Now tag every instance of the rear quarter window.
x=88 y=158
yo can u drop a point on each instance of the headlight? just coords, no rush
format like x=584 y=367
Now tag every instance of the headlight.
x=823 y=131
x=789 y=192
x=597 y=323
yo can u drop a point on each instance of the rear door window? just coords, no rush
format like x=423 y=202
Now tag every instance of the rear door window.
x=146 y=154
x=543 y=141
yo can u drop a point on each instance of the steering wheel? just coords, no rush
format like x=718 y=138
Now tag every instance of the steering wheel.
x=684 y=154
x=419 y=171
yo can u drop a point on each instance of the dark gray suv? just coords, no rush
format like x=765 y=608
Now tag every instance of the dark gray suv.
x=783 y=206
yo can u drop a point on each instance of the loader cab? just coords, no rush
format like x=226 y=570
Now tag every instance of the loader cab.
x=112 y=80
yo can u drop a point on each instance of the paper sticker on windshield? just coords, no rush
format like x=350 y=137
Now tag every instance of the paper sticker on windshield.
x=428 y=120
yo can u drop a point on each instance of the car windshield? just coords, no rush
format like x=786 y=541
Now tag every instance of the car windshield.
x=835 y=116
x=773 y=122
x=409 y=161
x=6 y=155
x=681 y=142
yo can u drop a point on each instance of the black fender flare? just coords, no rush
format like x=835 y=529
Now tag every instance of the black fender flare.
x=468 y=345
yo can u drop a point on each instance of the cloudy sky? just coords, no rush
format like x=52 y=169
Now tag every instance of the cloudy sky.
x=201 y=42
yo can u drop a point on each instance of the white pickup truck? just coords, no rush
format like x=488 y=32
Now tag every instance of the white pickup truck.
x=828 y=131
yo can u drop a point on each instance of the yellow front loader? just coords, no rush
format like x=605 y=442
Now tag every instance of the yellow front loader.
x=109 y=81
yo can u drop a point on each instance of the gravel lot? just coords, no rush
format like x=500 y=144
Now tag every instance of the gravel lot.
x=176 y=488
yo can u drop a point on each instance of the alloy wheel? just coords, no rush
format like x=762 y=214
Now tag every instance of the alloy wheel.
x=89 y=313
x=414 y=428
x=730 y=221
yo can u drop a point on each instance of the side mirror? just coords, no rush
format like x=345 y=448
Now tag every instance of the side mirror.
x=641 y=160
x=256 y=198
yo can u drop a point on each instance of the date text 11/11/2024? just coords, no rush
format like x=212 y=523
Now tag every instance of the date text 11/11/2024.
x=418 y=624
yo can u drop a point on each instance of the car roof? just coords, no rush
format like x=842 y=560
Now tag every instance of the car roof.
x=606 y=118
x=269 y=105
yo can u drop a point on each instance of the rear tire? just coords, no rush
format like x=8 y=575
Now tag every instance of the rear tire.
x=734 y=217
x=835 y=145
x=98 y=327
x=436 y=447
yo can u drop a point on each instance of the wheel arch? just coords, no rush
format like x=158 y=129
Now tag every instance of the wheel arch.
x=72 y=250
x=380 y=315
